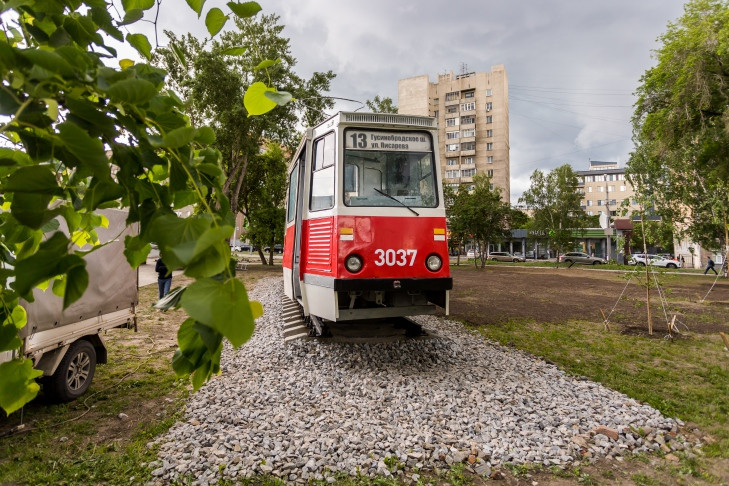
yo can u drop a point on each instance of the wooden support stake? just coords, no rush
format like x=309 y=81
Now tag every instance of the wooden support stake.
x=726 y=340
x=605 y=321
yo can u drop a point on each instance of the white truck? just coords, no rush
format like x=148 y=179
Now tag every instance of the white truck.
x=67 y=344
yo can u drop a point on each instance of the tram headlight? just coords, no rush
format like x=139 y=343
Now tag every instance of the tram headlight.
x=353 y=263
x=434 y=263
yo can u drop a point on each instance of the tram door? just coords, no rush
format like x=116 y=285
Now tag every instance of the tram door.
x=297 y=194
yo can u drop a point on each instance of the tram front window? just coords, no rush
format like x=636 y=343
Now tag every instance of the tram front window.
x=380 y=178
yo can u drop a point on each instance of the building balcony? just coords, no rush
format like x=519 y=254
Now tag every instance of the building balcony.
x=465 y=153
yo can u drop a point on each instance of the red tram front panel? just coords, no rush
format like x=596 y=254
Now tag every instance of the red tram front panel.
x=390 y=247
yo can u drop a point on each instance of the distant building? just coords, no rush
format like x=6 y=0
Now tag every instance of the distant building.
x=473 y=118
x=603 y=188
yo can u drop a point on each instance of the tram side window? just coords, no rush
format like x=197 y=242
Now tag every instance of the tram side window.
x=293 y=191
x=322 y=177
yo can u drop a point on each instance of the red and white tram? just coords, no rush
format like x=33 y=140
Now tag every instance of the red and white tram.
x=365 y=219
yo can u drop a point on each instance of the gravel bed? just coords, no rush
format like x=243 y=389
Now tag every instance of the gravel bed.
x=314 y=409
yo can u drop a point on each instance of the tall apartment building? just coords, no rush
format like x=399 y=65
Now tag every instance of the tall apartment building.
x=603 y=188
x=473 y=118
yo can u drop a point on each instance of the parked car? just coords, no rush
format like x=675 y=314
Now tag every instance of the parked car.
x=504 y=256
x=235 y=248
x=277 y=248
x=640 y=259
x=471 y=254
x=583 y=258
x=665 y=262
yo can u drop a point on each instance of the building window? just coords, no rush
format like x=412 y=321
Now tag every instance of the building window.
x=600 y=178
x=451 y=135
x=452 y=96
x=489 y=159
x=452 y=147
x=454 y=186
x=452 y=162
x=599 y=188
x=468 y=120
x=469 y=94
x=470 y=106
x=599 y=213
x=489 y=133
x=490 y=172
x=622 y=188
x=452 y=109
x=491 y=187
x=621 y=177
x=489 y=119
x=589 y=202
x=468 y=160
x=589 y=189
x=468 y=146
x=611 y=188
x=488 y=92
x=468 y=133
x=468 y=172
x=451 y=174
x=489 y=146
x=489 y=106
x=599 y=202
x=589 y=213
x=451 y=122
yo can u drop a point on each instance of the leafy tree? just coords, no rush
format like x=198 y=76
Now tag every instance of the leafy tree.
x=378 y=105
x=656 y=233
x=79 y=136
x=556 y=206
x=262 y=199
x=220 y=74
x=681 y=125
x=519 y=219
x=480 y=214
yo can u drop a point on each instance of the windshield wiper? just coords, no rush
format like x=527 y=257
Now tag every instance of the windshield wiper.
x=397 y=200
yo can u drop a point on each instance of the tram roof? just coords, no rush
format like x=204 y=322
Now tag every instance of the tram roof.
x=375 y=119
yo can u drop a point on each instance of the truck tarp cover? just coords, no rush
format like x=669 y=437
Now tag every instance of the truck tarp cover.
x=112 y=282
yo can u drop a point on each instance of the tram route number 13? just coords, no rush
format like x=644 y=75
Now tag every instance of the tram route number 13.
x=395 y=257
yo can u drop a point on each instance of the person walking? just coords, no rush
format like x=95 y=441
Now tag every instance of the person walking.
x=710 y=266
x=164 y=278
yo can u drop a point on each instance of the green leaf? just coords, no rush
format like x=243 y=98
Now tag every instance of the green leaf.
x=179 y=137
x=137 y=4
x=90 y=151
x=31 y=209
x=18 y=317
x=256 y=309
x=136 y=250
x=278 y=97
x=215 y=20
x=17 y=384
x=245 y=10
x=179 y=55
x=235 y=51
x=267 y=64
x=9 y=339
x=223 y=306
x=196 y=5
x=48 y=60
x=13 y=157
x=77 y=281
x=141 y=44
x=205 y=135
x=255 y=100
x=37 y=179
x=211 y=338
x=132 y=16
x=134 y=91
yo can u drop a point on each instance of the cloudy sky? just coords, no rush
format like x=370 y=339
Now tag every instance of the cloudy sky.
x=573 y=65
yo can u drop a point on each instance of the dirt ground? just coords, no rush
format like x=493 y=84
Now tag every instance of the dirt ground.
x=500 y=293
x=481 y=297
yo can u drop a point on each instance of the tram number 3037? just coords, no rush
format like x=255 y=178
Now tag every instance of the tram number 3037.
x=391 y=258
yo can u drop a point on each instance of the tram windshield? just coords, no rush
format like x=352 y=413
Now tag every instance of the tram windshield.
x=389 y=168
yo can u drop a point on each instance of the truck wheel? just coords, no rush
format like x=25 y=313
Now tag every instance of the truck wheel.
x=75 y=372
